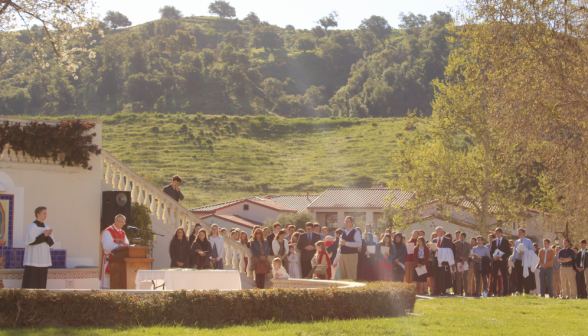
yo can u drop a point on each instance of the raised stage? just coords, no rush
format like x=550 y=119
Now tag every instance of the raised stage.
x=58 y=278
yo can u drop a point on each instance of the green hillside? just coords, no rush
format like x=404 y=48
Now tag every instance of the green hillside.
x=239 y=67
x=223 y=158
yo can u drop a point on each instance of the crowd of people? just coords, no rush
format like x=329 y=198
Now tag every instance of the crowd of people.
x=442 y=265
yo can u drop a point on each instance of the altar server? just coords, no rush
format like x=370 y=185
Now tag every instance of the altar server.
x=112 y=237
x=445 y=260
x=37 y=257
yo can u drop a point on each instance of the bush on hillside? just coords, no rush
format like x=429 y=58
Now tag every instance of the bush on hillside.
x=28 y=308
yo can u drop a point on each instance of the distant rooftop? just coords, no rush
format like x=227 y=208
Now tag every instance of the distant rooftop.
x=265 y=202
x=296 y=202
x=361 y=198
x=248 y=223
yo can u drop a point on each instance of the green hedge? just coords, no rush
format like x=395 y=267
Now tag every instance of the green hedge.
x=25 y=308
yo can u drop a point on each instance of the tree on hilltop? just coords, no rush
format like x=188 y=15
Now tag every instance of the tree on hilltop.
x=318 y=32
x=170 y=12
x=267 y=37
x=222 y=9
x=253 y=19
x=305 y=44
x=329 y=20
x=116 y=19
x=377 y=25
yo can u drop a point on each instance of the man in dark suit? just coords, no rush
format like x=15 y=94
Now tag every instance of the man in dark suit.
x=306 y=246
x=500 y=263
x=173 y=189
x=443 y=280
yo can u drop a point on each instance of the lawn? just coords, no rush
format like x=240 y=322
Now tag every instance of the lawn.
x=492 y=316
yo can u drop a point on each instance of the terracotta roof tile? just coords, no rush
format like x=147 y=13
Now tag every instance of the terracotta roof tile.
x=361 y=198
x=296 y=202
x=268 y=203
x=236 y=219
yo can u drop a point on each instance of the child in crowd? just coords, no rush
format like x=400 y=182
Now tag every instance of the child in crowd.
x=278 y=271
x=293 y=263
x=322 y=258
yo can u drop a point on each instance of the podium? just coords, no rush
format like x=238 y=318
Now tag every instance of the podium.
x=125 y=264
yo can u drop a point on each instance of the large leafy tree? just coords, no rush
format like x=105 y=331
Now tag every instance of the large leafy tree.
x=66 y=27
x=116 y=19
x=535 y=55
x=378 y=26
x=266 y=37
x=170 y=12
x=329 y=20
x=222 y=9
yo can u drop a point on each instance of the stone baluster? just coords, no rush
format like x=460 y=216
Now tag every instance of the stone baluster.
x=153 y=207
x=249 y=269
x=127 y=183
x=108 y=172
x=228 y=249
x=134 y=191
x=172 y=217
x=235 y=261
x=121 y=182
x=165 y=217
x=159 y=209
x=141 y=195
x=114 y=176
x=146 y=199
x=103 y=168
x=242 y=265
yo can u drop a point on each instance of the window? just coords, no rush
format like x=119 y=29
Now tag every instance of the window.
x=245 y=206
x=328 y=219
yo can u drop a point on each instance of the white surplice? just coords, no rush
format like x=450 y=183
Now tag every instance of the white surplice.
x=38 y=255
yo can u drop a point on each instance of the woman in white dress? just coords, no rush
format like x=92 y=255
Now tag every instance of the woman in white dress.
x=293 y=263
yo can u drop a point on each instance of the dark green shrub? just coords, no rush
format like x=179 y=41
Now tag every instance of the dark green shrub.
x=26 y=308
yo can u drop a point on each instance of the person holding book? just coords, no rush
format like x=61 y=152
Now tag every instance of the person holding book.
x=421 y=256
x=399 y=259
x=370 y=254
x=201 y=250
x=322 y=258
x=387 y=253
x=462 y=254
x=410 y=262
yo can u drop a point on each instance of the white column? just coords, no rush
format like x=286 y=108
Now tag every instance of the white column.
x=128 y=183
x=121 y=185
x=152 y=207
x=159 y=209
x=146 y=199
x=172 y=217
x=114 y=176
x=165 y=213
x=107 y=174
x=141 y=195
x=242 y=265
x=134 y=191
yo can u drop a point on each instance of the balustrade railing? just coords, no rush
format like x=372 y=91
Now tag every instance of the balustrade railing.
x=121 y=177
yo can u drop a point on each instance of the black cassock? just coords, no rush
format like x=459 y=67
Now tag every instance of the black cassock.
x=443 y=279
x=36 y=277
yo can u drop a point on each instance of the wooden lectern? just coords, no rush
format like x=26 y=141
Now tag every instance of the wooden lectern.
x=125 y=264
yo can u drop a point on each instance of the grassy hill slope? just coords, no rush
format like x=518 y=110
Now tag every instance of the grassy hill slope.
x=223 y=158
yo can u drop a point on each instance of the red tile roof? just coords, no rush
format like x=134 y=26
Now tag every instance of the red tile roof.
x=236 y=220
x=361 y=198
x=268 y=203
x=296 y=202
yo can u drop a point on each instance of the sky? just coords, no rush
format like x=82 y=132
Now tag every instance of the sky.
x=302 y=14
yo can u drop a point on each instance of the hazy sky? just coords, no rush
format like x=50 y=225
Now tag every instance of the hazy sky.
x=300 y=13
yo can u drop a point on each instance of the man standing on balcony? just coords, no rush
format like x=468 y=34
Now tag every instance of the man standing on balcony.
x=173 y=189
x=111 y=238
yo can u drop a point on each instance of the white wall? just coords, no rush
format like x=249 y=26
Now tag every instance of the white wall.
x=255 y=213
x=369 y=214
x=72 y=196
x=226 y=224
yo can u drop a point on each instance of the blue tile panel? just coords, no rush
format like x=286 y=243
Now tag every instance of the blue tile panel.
x=8 y=235
x=14 y=257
